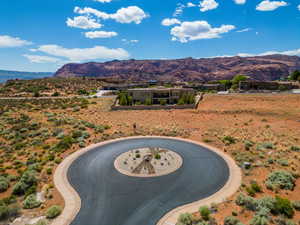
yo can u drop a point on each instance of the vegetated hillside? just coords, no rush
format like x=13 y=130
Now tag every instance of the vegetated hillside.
x=9 y=75
x=272 y=67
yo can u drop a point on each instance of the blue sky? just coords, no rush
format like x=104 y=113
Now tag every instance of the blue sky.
x=40 y=35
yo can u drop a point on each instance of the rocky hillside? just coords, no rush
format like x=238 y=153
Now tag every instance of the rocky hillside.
x=270 y=67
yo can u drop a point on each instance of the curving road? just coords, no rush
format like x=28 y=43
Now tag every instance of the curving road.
x=111 y=198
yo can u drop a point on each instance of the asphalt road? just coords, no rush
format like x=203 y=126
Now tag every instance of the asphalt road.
x=111 y=198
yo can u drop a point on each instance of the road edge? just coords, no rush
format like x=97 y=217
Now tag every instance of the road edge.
x=73 y=201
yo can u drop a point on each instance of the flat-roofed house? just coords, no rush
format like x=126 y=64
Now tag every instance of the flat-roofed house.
x=170 y=95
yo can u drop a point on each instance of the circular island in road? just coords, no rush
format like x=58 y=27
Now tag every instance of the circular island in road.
x=107 y=196
x=148 y=162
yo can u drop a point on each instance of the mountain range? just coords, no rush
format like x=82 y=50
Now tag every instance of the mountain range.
x=263 y=68
x=10 y=75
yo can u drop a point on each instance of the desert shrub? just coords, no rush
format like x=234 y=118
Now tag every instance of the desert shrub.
x=203 y=222
x=248 y=144
x=260 y=218
x=185 y=219
x=283 y=206
x=82 y=144
x=296 y=205
x=4 y=212
x=76 y=134
x=157 y=156
x=4 y=184
x=49 y=171
x=31 y=202
x=282 y=221
x=27 y=181
x=265 y=146
x=7 y=212
x=266 y=202
x=53 y=212
x=283 y=162
x=253 y=188
x=295 y=148
x=280 y=179
x=246 y=201
x=231 y=220
x=64 y=144
x=229 y=140
x=204 y=212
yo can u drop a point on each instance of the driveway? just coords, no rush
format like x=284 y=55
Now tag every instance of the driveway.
x=111 y=198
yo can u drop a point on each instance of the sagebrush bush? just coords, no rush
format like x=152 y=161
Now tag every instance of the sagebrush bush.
x=204 y=212
x=185 y=219
x=296 y=205
x=53 y=212
x=31 y=202
x=280 y=179
x=231 y=220
x=283 y=206
x=4 y=184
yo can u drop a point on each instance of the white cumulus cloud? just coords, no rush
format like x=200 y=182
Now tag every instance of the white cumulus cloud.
x=207 y=5
x=10 y=42
x=100 y=34
x=41 y=59
x=82 y=54
x=190 y=5
x=299 y=7
x=240 y=2
x=268 y=5
x=83 y=22
x=196 y=30
x=131 y=14
x=244 y=30
x=170 y=22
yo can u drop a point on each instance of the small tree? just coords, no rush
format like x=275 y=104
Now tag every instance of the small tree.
x=123 y=99
x=148 y=101
x=205 y=212
x=295 y=76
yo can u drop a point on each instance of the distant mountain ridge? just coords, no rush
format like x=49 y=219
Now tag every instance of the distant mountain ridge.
x=9 y=75
x=264 y=68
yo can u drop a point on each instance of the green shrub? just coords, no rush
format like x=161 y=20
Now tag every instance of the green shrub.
x=265 y=146
x=283 y=162
x=4 y=212
x=295 y=148
x=260 y=218
x=205 y=212
x=248 y=144
x=296 y=205
x=246 y=201
x=157 y=156
x=283 y=206
x=282 y=221
x=31 y=202
x=162 y=101
x=4 y=184
x=27 y=181
x=53 y=212
x=229 y=140
x=231 y=220
x=7 y=212
x=266 y=202
x=148 y=101
x=280 y=179
x=185 y=219
x=64 y=144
